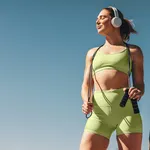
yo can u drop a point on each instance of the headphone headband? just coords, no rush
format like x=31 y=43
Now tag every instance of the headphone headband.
x=116 y=20
x=115 y=11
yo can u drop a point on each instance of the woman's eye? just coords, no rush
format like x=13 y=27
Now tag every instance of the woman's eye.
x=103 y=17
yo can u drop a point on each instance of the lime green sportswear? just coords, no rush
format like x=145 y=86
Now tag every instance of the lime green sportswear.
x=118 y=61
x=107 y=115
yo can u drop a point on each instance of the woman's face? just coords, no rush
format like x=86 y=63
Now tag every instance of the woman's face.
x=103 y=22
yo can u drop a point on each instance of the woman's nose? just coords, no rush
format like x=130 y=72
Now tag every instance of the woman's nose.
x=97 y=21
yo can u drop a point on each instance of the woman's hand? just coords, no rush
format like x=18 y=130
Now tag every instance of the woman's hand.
x=87 y=107
x=134 y=93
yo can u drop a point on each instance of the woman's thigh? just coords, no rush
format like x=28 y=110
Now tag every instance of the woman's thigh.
x=132 y=141
x=92 y=141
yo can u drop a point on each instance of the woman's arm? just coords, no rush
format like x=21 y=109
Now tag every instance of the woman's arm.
x=137 y=71
x=85 y=84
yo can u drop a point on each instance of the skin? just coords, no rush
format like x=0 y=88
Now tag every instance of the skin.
x=106 y=80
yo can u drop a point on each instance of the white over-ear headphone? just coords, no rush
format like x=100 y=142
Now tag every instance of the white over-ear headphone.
x=116 y=21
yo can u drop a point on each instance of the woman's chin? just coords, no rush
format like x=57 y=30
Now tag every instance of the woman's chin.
x=100 y=32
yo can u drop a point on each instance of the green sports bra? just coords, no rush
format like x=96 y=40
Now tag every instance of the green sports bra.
x=118 y=61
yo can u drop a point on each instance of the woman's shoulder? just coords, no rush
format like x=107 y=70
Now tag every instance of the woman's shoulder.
x=135 y=50
x=91 y=52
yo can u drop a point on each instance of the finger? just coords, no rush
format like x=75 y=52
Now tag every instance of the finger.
x=133 y=89
x=133 y=92
x=136 y=94
x=137 y=97
x=132 y=95
x=87 y=107
x=124 y=89
x=139 y=90
x=86 y=111
x=130 y=89
x=84 y=108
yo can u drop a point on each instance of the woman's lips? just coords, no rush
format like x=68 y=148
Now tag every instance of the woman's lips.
x=99 y=26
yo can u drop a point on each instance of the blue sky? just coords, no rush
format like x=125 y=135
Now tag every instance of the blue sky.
x=42 y=56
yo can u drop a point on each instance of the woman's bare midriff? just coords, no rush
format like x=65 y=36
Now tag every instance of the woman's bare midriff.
x=110 y=79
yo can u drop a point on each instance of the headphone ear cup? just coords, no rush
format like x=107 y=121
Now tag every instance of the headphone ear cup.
x=116 y=22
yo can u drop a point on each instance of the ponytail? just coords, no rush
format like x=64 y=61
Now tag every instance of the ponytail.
x=126 y=28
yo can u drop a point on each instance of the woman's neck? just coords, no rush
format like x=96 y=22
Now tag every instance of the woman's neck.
x=114 y=39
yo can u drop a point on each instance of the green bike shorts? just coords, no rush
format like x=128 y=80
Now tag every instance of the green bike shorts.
x=107 y=115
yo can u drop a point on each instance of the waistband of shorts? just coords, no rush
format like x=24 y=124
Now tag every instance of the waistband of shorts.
x=111 y=90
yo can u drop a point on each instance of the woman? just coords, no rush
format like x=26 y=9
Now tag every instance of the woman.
x=110 y=78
